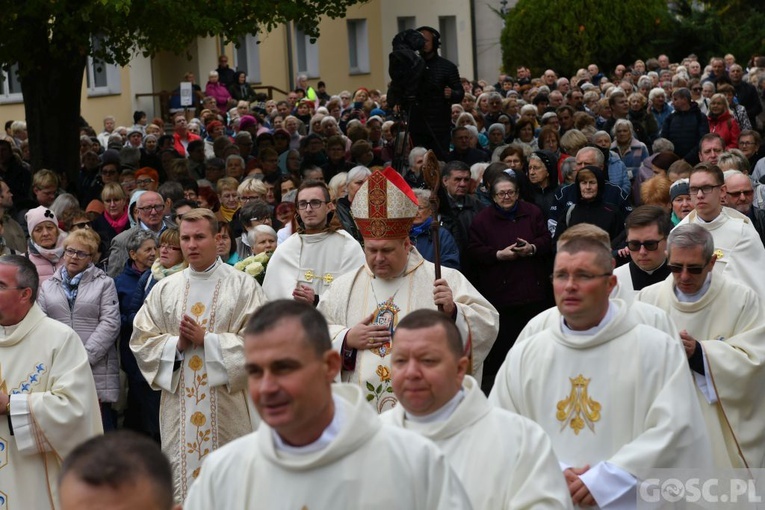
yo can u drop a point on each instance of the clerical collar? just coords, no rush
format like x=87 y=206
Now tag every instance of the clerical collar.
x=610 y=314
x=442 y=414
x=209 y=269
x=705 y=222
x=329 y=434
x=692 y=298
x=7 y=331
x=652 y=271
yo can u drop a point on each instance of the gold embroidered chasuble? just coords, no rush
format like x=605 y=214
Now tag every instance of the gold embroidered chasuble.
x=356 y=295
x=204 y=401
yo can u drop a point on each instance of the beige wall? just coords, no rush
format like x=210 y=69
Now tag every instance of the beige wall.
x=427 y=13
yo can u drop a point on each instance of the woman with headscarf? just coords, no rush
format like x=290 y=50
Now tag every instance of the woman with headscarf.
x=543 y=177
x=46 y=242
x=241 y=90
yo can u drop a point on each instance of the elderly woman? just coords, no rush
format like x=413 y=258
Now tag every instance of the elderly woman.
x=543 y=176
x=229 y=198
x=46 y=242
x=253 y=213
x=680 y=196
x=722 y=122
x=631 y=150
x=738 y=111
x=84 y=298
x=114 y=220
x=240 y=90
x=591 y=208
x=509 y=241
x=524 y=133
x=218 y=91
x=262 y=238
x=639 y=116
x=421 y=234
x=413 y=174
x=357 y=176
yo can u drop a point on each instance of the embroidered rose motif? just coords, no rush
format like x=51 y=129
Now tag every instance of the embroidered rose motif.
x=198 y=419
x=384 y=373
x=198 y=309
x=195 y=363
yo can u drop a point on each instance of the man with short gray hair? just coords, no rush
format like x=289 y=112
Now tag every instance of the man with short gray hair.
x=721 y=324
x=48 y=400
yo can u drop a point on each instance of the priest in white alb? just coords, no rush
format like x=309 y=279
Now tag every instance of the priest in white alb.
x=722 y=326
x=187 y=340
x=505 y=461
x=364 y=306
x=48 y=400
x=615 y=396
x=304 y=266
x=320 y=445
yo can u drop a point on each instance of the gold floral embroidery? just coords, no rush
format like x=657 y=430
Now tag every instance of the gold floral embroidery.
x=199 y=420
x=381 y=394
x=578 y=409
x=195 y=363
x=383 y=372
x=197 y=310
x=196 y=390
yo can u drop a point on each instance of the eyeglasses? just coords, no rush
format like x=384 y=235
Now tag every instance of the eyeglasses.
x=82 y=224
x=149 y=208
x=735 y=194
x=677 y=268
x=745 y=143
x=506 y=194
x=76 y=254
x=315 y=204
x=248 y=199
x=169 y=247
x=705 y=190
x=141 y=182
x=577 y=278
x=260 y=220
x=109 y=172
x=649 y=245
x=696 y=89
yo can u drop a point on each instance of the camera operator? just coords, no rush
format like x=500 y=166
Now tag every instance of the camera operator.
x=430 y=121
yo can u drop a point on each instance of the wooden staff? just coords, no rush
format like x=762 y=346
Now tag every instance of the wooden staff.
x=431 y=172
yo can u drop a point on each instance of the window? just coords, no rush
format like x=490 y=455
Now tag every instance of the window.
x=447 y=26
x=103 y=79
x=307 y=54
x=247 y=57
x=11 y=90
x=358 y=47
x=406 y=23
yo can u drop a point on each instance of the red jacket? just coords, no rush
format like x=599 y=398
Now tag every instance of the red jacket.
x=178 y=144
x=726 y=126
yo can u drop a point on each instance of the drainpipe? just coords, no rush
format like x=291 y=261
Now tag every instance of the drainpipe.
x=474 y=44
x=290 y=58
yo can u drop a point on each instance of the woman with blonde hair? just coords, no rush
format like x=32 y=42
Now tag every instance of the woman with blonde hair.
x=228 y=196
x=722 y=122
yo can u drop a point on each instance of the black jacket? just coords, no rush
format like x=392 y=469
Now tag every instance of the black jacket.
x=431 y=108
x=684 y=130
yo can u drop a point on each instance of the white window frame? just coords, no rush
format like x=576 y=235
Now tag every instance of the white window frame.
x=112 y=72
x=358 y=46
x=6 y=96
x=250 y=47
x=308 y=53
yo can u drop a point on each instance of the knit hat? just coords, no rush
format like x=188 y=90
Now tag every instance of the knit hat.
x=385 y=206
x=110 y=156
x=664 y=159
x=679 y=187
x=95 y=206
x=38 y=215
x=246 y=121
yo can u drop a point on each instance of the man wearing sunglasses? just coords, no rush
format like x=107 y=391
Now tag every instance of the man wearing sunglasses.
x=647 y=229
x=721 y=323
x=738 y=248
x=739 y=194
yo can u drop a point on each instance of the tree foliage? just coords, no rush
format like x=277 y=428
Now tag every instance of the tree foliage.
x=51 y=40
x=565 y=35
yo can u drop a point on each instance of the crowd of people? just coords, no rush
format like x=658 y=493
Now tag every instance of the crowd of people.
x=587 y=262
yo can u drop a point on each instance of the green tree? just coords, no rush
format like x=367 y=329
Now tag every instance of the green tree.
x=566 y=35
x=51 y=40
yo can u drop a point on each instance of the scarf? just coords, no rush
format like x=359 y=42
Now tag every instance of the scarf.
x=118 y=224
x=418 y=230
x=227 y=213
x=158 y=271
x=70 y=285
x=52 y=255
x=510 y=213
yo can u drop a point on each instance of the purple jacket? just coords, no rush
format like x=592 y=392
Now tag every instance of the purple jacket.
x=507 y=283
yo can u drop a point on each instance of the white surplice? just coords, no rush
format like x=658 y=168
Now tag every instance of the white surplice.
x=54 y=408
x=620 y=400
x=505 y=461
x=311 y=259
x=729 y=323
x=366 y=465
x=204 y=402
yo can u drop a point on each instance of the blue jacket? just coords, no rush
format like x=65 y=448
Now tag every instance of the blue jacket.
x=450 y=254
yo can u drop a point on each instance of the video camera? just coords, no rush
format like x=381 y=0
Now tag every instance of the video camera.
x=405 y=67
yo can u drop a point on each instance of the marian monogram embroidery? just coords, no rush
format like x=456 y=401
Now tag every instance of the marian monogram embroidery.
x=578 y=409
